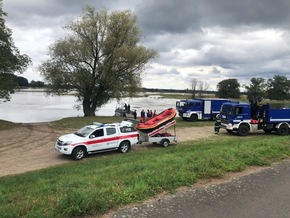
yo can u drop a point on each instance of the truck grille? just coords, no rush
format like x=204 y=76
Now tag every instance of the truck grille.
x=225 y=121
x=59 y=142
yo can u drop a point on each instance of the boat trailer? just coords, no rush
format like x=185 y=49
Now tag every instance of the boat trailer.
x=159 y=135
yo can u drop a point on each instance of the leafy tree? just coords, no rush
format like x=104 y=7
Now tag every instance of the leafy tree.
x=36 y=84
x=278 y=88
x=257 y=88
x=101 y=59
x=10 y=58
x=228 y=88
x=7 y=86
x=21 y=81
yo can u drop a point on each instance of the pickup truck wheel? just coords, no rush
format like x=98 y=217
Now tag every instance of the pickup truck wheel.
x=124 y=147
x=243 y=130
x=164 y=143
x=283 y=130
x=193 y=118
x=78 y=153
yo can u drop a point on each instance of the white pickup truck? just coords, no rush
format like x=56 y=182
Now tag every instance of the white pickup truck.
x=98 y=137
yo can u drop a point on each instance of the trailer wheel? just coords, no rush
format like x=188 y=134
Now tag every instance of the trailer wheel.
x=164 y=143
x=243 y=130
x=193 y=118
x=283 y=130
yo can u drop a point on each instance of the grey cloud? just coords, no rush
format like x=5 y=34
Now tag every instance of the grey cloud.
x=214 y=35
x=193 y=15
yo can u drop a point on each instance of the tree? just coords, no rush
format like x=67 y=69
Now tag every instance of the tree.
x=278 y=88
x=193 y=87
x=203 y=86
x=21 y=81
x=257 y=88
x=10 y=58
x=36 y=84
x=228 y=88
x=101 y=59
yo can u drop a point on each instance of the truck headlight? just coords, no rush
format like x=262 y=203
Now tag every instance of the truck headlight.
x=66 y=143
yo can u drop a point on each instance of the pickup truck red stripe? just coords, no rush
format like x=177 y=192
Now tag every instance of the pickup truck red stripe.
x=114 y=138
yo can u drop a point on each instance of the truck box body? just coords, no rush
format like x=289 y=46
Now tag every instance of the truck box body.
x=275 y=115
x=199 y=108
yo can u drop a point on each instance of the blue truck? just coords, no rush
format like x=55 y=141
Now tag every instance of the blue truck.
x=244 y=118
x=199 y=108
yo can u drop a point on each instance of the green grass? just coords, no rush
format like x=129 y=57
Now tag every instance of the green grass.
x=5 y=125
x=103 y=182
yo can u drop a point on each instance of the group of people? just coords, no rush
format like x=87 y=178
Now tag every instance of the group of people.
x=145 y=116
x=127 y=108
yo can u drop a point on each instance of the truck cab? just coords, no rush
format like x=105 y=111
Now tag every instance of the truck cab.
x=233 y=115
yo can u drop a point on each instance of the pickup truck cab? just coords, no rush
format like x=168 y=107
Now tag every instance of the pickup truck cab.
x=98 y=137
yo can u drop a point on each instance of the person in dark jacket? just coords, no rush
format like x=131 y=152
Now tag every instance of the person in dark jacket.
x=142 y=116
x=217 y=124
x=135 y=114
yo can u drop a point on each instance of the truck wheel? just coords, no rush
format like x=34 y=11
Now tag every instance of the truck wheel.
x=78 y=153
x=193 y=118
x=164 y=143
x=124 y=147
x=243 y=130
x=283 y=130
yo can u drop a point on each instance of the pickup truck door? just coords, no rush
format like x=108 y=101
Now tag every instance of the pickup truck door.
x=96 y=140
x=112 y=139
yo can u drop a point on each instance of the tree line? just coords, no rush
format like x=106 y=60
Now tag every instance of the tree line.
x=277 y=88
x=20 y=82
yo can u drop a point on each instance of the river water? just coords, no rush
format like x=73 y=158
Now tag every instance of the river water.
x=28 y=107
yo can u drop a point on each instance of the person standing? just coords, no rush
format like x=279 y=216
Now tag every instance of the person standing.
x=135 y=114
x=142 y=115
x=217 y=124
x=128 y=109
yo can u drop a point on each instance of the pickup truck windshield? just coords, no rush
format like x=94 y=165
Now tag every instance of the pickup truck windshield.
x=83 y=132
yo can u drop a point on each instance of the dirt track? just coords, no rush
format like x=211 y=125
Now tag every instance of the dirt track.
x=31 y=146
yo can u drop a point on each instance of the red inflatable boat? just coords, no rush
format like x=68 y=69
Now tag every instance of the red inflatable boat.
x=157 y=121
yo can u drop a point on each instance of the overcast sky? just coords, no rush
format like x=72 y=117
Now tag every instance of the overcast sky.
x=207 y=40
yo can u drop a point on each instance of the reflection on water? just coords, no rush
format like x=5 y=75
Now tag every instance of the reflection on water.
x=27 y=107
